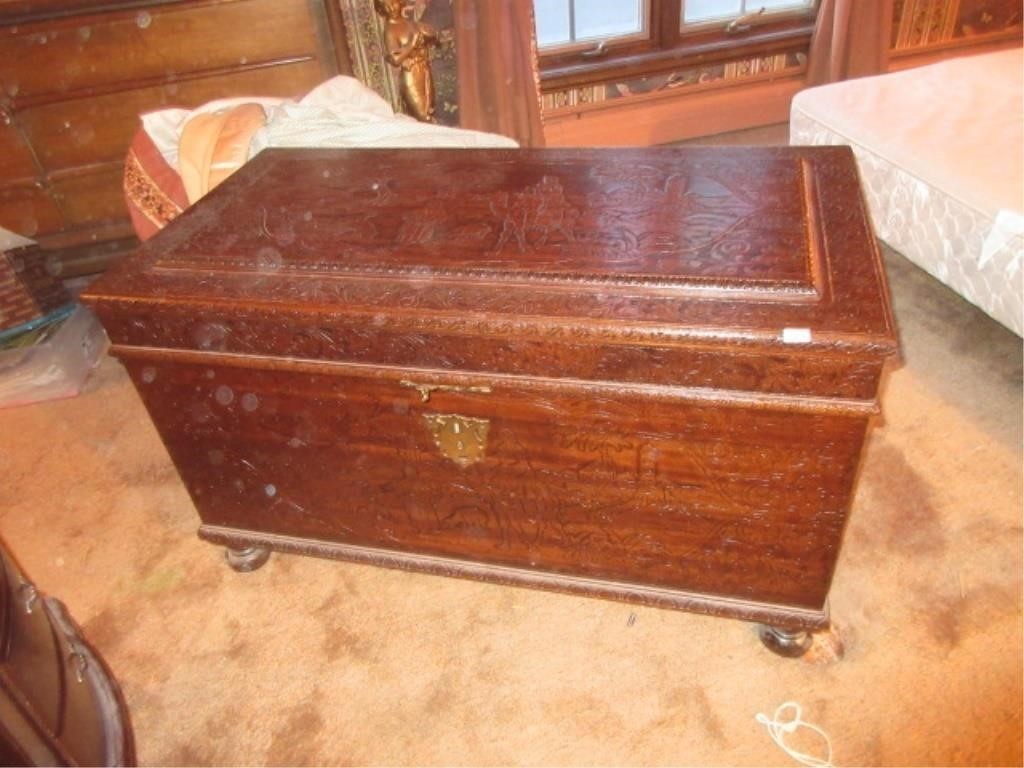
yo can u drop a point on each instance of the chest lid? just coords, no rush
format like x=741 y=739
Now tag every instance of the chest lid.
x=728 y=247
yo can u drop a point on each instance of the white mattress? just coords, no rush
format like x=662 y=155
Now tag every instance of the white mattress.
x=941 y=155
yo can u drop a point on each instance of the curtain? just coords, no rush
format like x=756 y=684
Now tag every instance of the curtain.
x=498 y=83
x=851 y=39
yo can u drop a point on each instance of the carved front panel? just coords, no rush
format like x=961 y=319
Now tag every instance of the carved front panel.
x=460 y=344
x=726 y=500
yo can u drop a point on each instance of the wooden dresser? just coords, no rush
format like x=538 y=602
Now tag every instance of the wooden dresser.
x=640 y=374
x=75 y=75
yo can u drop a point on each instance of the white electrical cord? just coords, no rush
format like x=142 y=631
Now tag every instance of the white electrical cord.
x=778 y=728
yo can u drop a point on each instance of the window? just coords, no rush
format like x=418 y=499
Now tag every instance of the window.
x=568 y=22
x=588 y=41
x=562 y=23
x=702 y=11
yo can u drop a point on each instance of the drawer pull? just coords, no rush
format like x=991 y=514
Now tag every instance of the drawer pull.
x=29 y=595
x=426 y=390
x=462 y=439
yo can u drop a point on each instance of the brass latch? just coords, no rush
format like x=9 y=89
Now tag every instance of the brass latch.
x=463 y=439
x=426 y=390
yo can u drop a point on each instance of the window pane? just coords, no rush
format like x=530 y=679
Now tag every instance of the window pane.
x=608 y=18
x=552 y=18
x=777 y=5
x=706 y=10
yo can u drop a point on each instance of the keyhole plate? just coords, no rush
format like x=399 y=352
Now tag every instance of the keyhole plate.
x=462 y=439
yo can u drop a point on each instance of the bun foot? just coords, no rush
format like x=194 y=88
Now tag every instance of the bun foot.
x=784 y=642
x=246 y=559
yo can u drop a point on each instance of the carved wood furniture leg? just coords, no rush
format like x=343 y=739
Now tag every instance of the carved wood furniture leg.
x=246 y=559
x=785 y=642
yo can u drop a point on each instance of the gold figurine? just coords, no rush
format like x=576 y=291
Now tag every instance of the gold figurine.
x=407 y=42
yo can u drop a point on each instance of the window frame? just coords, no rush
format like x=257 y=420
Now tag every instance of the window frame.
x=671 y=44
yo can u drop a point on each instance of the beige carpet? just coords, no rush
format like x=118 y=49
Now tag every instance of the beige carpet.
x=317 y=662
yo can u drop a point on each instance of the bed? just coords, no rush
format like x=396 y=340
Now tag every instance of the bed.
x=939 y=150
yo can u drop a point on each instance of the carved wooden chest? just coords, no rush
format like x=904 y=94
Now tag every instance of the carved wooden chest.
x=640 y=374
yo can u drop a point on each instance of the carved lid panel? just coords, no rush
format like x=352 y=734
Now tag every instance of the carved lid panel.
x=744 y=246
x=655 y=218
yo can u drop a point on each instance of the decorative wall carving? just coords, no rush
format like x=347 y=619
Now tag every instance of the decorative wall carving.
x=678 y=80
x=925 y=23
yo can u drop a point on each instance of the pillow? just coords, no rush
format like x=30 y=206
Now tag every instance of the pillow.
x=153 y=190
x=216 y=144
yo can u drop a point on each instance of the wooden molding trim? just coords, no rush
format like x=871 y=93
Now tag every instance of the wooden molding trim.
x=791 y=617
x=546 y=386
x=114 y=241
x=642 y=122
x=919 y=57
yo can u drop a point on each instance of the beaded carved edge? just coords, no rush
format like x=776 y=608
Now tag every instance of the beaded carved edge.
x=780 y=615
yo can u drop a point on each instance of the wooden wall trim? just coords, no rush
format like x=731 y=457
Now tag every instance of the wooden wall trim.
x=919 y=57
x=659 y=121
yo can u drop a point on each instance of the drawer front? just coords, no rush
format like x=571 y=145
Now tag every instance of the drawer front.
x=630 y=485
x=92 y=196
x=64 y=56
x=28 y=210
x=15 y=158
x=98 y=129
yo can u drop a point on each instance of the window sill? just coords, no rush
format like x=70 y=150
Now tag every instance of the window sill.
x=756 y=42
x=675 y=94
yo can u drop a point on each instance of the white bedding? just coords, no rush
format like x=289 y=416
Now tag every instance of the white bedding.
x=941 y=156
x=341 y=112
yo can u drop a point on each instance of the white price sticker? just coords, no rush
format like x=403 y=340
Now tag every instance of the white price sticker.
x=796 y=335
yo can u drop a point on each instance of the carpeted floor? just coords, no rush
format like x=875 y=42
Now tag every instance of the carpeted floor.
x=317 y=662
